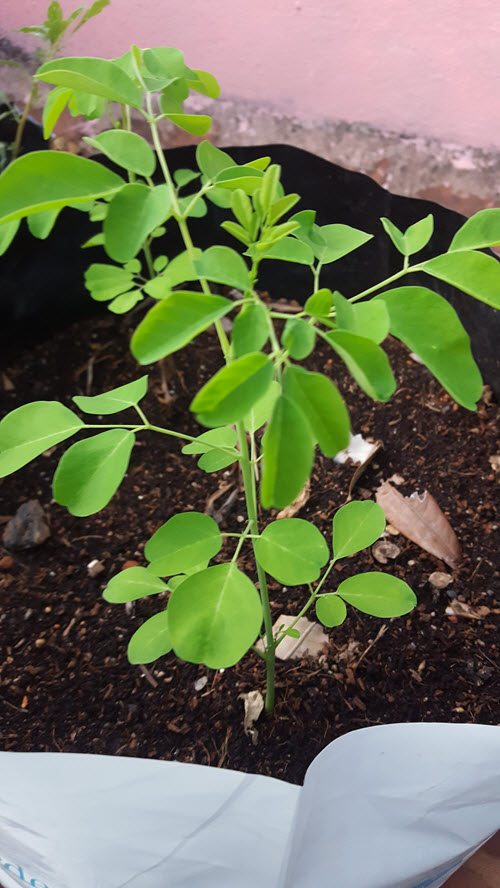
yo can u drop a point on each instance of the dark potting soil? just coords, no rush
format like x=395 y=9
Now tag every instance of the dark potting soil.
x=65 y=683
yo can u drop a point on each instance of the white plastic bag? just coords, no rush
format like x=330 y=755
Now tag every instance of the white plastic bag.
x=399 y=806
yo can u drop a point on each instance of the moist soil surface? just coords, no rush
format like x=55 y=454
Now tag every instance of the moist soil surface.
x=65 y=683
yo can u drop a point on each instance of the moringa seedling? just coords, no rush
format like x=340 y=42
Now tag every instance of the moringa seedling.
x=263 y=409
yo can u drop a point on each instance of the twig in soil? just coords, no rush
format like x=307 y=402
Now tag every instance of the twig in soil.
x=13 y=706
x=147 y=675
x=224 y=748
x=378 y=636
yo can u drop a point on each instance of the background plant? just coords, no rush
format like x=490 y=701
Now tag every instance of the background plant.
x=262 y=409
x=51 y=33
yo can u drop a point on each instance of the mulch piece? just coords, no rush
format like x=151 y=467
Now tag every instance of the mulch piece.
x=65 y=683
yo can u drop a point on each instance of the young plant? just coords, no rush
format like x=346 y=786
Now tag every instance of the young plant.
x=262 y=410
x=51 y=34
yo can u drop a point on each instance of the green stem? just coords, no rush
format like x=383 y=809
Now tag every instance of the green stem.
x=389 y=280
x=181 y=221
x=310 y=601
x=253 y=522
x=22 y=120
x=316 y=273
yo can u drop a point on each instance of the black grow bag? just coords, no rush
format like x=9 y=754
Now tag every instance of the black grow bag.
x=41 y=282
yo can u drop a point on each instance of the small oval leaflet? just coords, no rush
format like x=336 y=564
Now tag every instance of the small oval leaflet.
x=356 y=526
x=214 y=616
x=131 y=584
x=378 y=594
x=232 y=392
x=30 y=430
x=117 y=399
x=127 y=149
x=298 y=338
x=91 y=471
x=292 y=550
x=150 y=641
x=331 y=610
x=184 y=541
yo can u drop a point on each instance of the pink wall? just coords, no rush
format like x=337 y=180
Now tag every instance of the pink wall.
x=424 y=67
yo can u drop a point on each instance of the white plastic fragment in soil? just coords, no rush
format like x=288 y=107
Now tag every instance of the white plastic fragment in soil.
x=310 y=643
x=395 y=806
x=358 y=451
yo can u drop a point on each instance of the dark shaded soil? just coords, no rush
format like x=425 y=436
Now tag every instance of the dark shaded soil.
x=65 y=683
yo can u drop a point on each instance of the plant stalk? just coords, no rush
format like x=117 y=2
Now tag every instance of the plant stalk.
x=253 y=522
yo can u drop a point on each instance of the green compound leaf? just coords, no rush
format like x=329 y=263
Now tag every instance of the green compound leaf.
x=50 y=180
x=339 y=240
x=128 y=150
x=214 y=616
x=431 y=328
x=104 y=282
x=475 y=273
x=414 y=239
x=321 y=403
x=132 y=215
x=117 y=399
x=232 y=392
x=212 y=160
x=356 y=526
x=369 y=319
x=32 y=429
x=480 y=231
x=262 y=410
x=150 y=641
x=91 y=471
x=292 y=551
x=378 y=594
x=366 y=362
x=298 y=338
x=131 y=584
x=250 y=329
x=224 y=266
x=330 y=610
x=183 y=542
x=98 y=77
x=288 y=451
x=175 y=321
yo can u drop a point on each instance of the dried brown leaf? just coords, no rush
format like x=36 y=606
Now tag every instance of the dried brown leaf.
x=420 y=519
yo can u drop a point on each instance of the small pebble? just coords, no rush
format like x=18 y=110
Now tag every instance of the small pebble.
x=201 y=683
x=6 y=563
x=40 y=642
x=94 y=568
x=440 y=580
x=384 y=550
x=129 y=564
